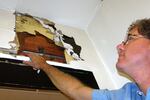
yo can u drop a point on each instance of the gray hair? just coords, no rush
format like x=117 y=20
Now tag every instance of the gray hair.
x=143 y=26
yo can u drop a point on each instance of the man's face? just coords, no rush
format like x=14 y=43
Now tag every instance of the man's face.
x=133 y=53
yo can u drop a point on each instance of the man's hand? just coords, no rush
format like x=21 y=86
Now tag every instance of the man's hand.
x=36 y=61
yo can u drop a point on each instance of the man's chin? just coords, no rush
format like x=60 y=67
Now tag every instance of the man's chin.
x=119 y=66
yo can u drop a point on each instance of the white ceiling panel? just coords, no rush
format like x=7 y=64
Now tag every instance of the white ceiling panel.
x=76 y=13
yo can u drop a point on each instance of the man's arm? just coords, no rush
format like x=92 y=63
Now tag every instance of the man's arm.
x=66 y=83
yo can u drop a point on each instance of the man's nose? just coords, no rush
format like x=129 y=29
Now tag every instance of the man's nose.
x=120 y=47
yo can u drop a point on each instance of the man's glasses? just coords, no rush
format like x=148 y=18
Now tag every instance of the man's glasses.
x=131 y=37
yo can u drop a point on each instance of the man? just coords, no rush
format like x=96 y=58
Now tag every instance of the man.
x=134 y=60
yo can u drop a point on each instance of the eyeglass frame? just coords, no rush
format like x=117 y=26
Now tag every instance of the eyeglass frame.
x=130 y=37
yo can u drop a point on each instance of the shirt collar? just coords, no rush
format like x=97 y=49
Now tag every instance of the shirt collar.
x=148 y=91
x=139 y=92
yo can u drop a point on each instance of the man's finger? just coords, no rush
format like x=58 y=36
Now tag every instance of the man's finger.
x=28 y=63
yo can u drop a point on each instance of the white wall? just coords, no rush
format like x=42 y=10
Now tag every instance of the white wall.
x=109 y=26
x=7 y=24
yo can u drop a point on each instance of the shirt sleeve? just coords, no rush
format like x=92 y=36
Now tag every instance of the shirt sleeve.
x=100 y=94
x=129 y=90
